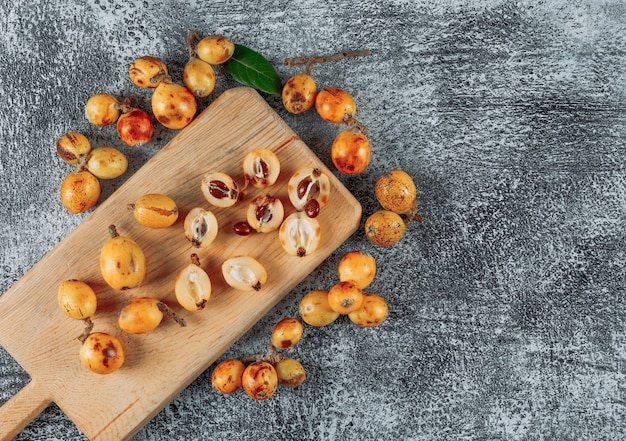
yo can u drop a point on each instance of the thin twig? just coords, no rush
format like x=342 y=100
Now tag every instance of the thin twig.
x=171 y=313
x=88 y=328
x=325 y=59
x=192 y=37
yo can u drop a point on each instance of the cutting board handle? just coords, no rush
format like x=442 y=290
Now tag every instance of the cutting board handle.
x=21 y=409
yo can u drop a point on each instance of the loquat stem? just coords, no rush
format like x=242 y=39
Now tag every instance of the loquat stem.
x=351 y=121
x=171 y=313
x=88 y=328
x=250 y=359
x=309 y=62
x=195 y=259
x=192 y=37
x=271 y=356
x=127 y=105
x=412 y=215
x=113 y=231
x=81 y=165
x=161 y=77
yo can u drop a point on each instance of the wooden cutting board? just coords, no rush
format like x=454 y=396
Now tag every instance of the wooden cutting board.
x=161 y=364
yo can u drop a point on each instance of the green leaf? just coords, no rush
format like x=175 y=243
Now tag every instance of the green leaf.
x=252 y=69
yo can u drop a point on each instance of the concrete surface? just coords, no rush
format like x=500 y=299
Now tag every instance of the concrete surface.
x=507 y=303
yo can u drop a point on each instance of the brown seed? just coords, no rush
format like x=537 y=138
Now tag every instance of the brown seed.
x=218 y=189
x=312 y=208
x=261 y=167
x=265 y=213
x=303 y=186
x=308 y=183
x=242 y=228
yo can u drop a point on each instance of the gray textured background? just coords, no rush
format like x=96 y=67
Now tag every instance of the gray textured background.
x=507 y=303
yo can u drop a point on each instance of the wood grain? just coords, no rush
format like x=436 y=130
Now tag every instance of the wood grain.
x=159 y=365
